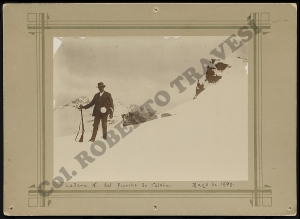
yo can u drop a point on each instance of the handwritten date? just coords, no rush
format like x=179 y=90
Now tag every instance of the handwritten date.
x=212 y=184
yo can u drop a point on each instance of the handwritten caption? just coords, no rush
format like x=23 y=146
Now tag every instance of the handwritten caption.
x=145 y=185
x=120 y=185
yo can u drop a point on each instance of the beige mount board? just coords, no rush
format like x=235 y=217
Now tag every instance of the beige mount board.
x=223 y=146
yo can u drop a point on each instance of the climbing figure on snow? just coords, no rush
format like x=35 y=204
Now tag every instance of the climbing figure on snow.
x=199 y=89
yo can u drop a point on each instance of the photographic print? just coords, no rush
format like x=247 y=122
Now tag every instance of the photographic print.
x=178 y=124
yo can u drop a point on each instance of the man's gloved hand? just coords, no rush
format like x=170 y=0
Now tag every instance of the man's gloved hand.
x=110 y=115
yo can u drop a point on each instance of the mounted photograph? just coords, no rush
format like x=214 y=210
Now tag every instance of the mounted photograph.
x=150 y=109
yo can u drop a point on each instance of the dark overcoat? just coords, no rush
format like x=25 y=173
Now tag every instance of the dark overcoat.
x=104 y=101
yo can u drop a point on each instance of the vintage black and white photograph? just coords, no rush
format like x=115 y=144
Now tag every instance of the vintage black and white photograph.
x=148 y=100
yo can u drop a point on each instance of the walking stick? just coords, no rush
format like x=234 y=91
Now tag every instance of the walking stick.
x=81 y=123
x=81 y=138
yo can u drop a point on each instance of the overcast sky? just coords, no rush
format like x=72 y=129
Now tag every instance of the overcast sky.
x=134 y=69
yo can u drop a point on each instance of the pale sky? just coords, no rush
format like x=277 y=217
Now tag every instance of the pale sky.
x=134 y=69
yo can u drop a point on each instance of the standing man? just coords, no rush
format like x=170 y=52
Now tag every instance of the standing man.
x=103 y=106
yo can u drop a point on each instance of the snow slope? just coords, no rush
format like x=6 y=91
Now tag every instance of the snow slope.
x=206 y=140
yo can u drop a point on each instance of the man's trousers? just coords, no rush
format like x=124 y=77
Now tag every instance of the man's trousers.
x=103 y=118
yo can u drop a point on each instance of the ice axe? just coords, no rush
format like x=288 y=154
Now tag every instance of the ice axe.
x=81 y=123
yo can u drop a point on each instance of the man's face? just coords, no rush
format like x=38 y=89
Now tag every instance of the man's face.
x=101 y=89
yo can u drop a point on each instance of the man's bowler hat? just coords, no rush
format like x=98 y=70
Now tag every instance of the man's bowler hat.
x=101 y=84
